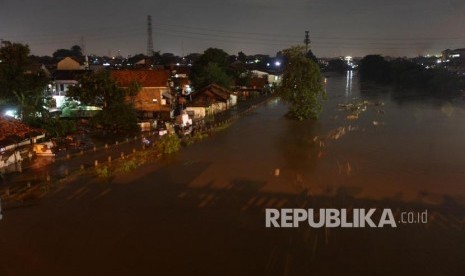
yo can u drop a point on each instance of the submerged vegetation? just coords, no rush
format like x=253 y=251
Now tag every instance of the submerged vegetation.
x=301 y=85
x=168 y=144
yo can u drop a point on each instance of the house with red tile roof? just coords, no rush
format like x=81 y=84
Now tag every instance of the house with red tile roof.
x=154 y=100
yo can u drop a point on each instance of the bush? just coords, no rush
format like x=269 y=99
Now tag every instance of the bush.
x=127 y=166
x=117 y=119
x=168 y=144
x=54 y=127
x=103 y=172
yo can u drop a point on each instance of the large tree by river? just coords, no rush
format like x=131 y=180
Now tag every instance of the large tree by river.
x=22 y=82
x=301 y=85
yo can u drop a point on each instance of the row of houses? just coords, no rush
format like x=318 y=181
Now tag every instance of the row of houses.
x=162 y=90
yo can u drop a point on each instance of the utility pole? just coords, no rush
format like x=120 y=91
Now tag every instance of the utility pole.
x=306 y=41
x=149 y=36
x=83 y=46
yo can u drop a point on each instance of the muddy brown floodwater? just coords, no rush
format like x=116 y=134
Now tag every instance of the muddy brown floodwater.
x=202 y=211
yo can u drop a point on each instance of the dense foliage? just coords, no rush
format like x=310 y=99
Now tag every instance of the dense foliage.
x=212 y=67
x=119 y=118
x=22 y=82
x=168 y=144
x=406 y=74
x=100 y=89
x=301 y=85
x=54 y=127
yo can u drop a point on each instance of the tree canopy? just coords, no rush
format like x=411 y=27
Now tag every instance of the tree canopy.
x=74 y=51
x=100 y=89
x=374 y=68
x=407 y=74
x=212 y=67
x=301 y=85
x=22 y=82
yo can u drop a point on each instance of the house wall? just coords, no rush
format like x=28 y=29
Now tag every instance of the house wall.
x=150 y=99
x=233 y=100
x=274 y=79
x=62 y=86
x=216 y=107
x=199 y=112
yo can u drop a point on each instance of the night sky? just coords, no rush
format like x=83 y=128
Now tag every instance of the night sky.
x=337 y=27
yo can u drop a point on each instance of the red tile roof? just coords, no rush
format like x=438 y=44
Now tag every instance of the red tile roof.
x=14 y=131
x=145 y=78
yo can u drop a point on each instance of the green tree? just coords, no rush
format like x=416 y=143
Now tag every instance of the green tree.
x=212 y=67
x=312 y=56
x=338 y=65
x=119 y=118
x=133 y=90
x=100 y=89
x=375 y=68
x=213 y=73
x=74 y=51
x=241 y=57
x=22 y=82
x=301 y=85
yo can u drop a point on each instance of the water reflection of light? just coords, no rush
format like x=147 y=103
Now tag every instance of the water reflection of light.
x=273 y=102
x=349 y=83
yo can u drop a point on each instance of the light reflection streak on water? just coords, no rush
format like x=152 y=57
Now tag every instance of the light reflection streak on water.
x=349 y=76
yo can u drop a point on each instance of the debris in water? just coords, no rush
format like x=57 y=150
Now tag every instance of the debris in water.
x=276 y=172
x=352 y=117
x=349 y=168
x=376 y=123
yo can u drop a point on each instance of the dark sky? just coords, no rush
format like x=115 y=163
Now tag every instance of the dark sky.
x=337 y=27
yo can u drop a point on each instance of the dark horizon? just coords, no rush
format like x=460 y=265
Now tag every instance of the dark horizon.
x=337 y=28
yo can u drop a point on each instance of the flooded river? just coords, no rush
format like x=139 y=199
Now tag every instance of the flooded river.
x=407 y=149
x=202 y=211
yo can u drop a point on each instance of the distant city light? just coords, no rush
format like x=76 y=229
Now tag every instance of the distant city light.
x=277 y=63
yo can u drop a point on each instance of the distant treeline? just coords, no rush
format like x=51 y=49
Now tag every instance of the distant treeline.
x=406 y=74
